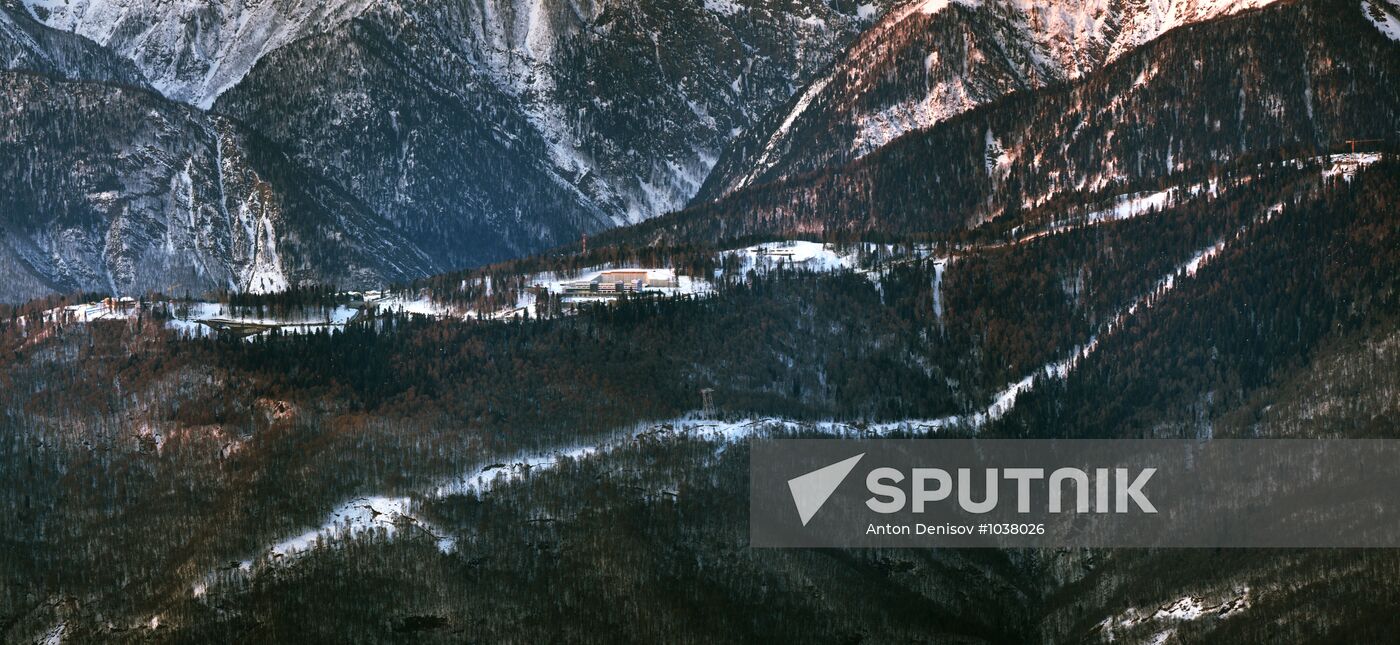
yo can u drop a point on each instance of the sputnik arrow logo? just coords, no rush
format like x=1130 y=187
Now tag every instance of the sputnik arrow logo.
x=810 y=491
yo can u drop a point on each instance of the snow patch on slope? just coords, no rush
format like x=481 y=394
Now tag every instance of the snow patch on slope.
x=360 y=516
x=724 y=7
x=768 y=157
x=1167 y=615
x=998 y=162
x=943 y=101
x=808 y=256
x=935 y=6
x=1385 y=15
x=1347 y=165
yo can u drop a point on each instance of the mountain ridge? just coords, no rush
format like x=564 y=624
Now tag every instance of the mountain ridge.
x=967 y=53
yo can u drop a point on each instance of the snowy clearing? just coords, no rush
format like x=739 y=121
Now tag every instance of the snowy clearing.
x=810 y=256
x=198 y=319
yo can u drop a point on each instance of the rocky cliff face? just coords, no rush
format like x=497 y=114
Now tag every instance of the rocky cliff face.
x=119 y=190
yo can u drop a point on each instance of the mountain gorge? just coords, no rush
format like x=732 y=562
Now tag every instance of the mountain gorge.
x=517 y=127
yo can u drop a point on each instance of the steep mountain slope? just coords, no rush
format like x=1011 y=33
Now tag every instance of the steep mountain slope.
x=119 y=190
x=458 y=171
x=192 y=51
x=1200 y=98
x=27 y=45
x=488 y=130
x=928 y=60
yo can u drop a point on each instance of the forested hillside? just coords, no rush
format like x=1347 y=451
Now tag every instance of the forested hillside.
x=259 y=398
x=26 y=44
x=189 y=448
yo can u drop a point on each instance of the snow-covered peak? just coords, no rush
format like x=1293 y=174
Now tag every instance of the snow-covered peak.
x=191 y=50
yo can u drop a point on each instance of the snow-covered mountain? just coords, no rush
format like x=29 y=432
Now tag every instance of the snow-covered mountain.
x=484 y=130
x=1188 y=105
x=928 y=60
x=192 y=51
x=400 y=137
x=493 y=129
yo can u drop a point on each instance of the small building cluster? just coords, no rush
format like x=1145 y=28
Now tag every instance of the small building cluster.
x=618 y=281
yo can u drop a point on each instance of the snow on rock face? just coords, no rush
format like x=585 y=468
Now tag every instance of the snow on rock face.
x=529 y=50
x=191 y=51
x=55 y=634
x=265 y=274
x=767 y=158
x=153 y=195
x=1073 y=29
